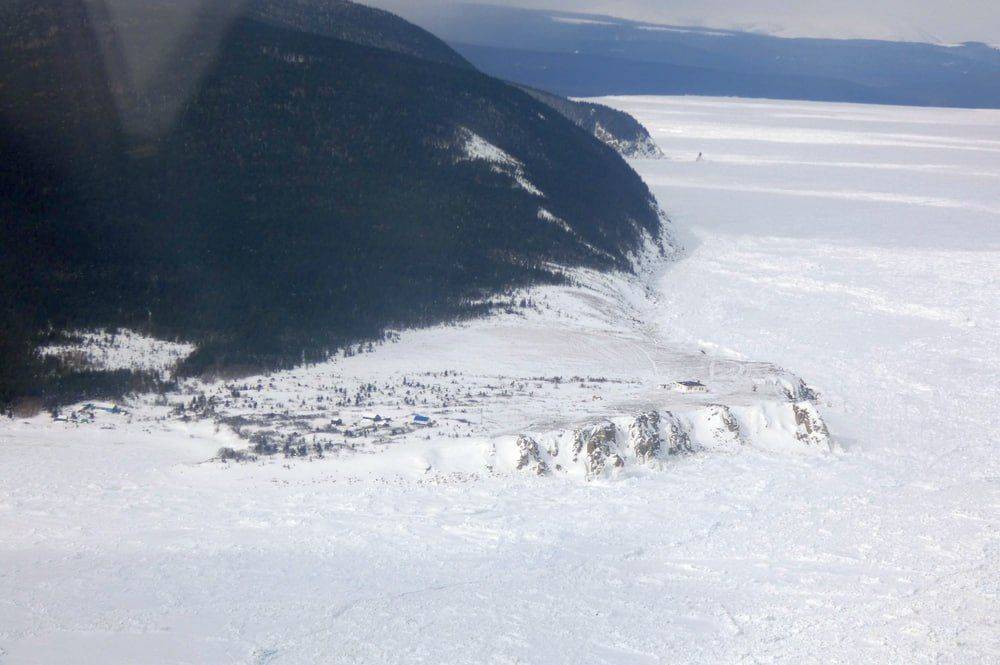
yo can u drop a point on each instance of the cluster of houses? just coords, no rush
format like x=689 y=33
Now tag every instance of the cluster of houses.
x=373 y=422
x=86 y=413
x=686 y=387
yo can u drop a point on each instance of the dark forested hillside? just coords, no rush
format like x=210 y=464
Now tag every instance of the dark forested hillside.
x=616 y=128
x=358 y=24
x=307 y=191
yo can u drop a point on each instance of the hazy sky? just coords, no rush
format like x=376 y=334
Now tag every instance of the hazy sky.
x=942 y=21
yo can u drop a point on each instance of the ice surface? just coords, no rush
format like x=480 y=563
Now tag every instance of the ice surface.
x=126 y=545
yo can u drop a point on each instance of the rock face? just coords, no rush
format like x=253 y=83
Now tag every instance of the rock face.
x=651 y=438
x=596 y=445
x=810 y=428
x=645 y=437
x=529 y=458
x=723 y=429
x=676 y=436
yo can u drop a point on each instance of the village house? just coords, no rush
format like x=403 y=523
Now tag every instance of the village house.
x=689 y=387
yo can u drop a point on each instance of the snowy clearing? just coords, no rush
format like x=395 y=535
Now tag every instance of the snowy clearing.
x=476 y=148
x=120 y=349
x=122 y=543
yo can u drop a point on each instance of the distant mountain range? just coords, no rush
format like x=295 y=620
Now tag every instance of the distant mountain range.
x=297 y=175
x=588 y=55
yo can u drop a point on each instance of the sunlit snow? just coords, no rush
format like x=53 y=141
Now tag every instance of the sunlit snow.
x=813 y=237
x=476 y=147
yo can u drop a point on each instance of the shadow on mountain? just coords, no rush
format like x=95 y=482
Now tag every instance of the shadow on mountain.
x=274 y=193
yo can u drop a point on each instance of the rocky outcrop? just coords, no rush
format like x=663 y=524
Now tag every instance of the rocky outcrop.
x=651 y=438
x=653 y=435
x=722 y=429
x=675 y=435
x=791 y=387
x=634 y=144
x=529 y=456
x=596 y=446
x=810 y=428
x=645 y=437
x=612 y=127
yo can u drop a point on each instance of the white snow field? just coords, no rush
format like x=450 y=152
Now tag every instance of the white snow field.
x=857 y=247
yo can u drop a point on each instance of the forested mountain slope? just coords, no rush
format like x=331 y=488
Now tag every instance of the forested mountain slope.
x=304 y=192
x=356 y=23
x=616 y=128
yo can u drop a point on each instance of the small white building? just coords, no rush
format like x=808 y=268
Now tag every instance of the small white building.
x=689 y=387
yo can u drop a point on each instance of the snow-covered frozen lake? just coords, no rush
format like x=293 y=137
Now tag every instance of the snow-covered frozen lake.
x=856 y=246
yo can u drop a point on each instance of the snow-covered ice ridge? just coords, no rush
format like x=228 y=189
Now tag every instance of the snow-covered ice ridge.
x=567 y=362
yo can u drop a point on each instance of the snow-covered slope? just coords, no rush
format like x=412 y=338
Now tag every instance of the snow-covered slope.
x=476 y=148
x=119 y=349
x=556 y=365
x=814 y=237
